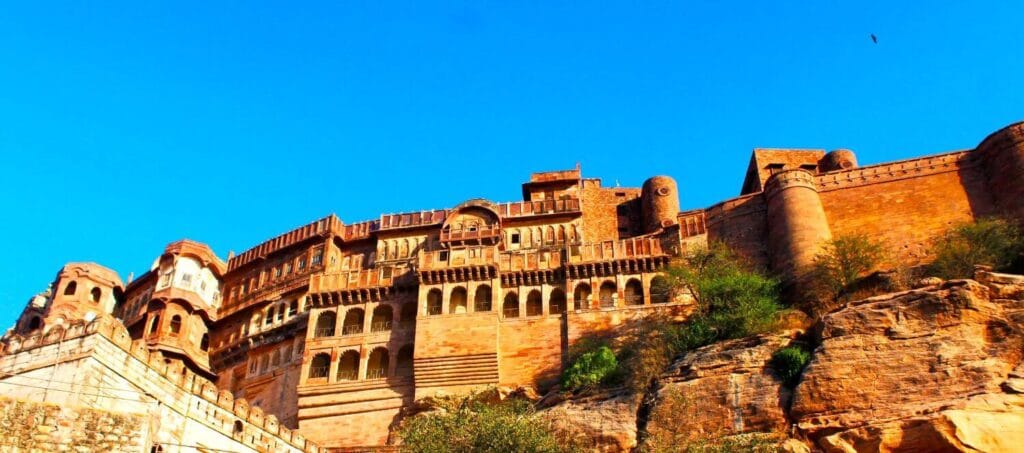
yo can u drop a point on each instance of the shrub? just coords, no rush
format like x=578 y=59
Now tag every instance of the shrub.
x=789 y=363
x=590 y=369
x=843 y=260
x=469 y=425
x=990 y=241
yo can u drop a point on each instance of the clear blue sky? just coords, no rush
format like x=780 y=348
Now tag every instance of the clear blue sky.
x=126 y=126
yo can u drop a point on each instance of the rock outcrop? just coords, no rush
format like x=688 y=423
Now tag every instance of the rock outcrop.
x=605 y=421
x=933 y=369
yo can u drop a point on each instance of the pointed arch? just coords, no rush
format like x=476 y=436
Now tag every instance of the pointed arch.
x=457 y=301
x=348 y=366
x=382 y=317
x=377 y=364
x=435 y=302
x=634 y=292
x=607 y=294
x=325 y=323
x=534 y=303
x=482 y=298
x=510 y=307
x=581 y=297
x=353 y=322
x=71 y=288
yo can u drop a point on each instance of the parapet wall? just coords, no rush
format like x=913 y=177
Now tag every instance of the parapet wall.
x=96 y=365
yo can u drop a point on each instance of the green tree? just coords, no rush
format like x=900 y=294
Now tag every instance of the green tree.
x=844 y=260
x=590 y=369
x=989 y=241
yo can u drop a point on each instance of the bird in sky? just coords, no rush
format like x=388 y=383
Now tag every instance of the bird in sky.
x=874 y=38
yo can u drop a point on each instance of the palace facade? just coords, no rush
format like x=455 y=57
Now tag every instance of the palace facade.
x=333 y=328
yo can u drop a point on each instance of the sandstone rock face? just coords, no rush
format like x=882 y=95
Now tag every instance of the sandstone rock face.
x=604 y=422
x=722 y=389
x=934 y=369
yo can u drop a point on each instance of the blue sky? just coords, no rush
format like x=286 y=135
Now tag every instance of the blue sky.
x=124 y=126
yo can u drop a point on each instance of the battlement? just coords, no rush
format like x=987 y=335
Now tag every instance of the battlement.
x=327 y=225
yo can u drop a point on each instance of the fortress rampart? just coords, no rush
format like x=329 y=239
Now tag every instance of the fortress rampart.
x=332 y=330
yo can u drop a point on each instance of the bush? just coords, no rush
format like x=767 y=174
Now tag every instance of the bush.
x=789 y=363
x=469 y=425
x=843 y=261
x=590 y=369
x=990 y=241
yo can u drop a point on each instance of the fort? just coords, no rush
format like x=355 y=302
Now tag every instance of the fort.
x=318 y=338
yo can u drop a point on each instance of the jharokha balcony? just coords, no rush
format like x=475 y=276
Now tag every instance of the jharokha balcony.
x=353 y=286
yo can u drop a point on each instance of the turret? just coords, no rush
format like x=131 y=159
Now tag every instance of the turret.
x=797 y=226
x=660 y=203
x=1003 y=155
x=840 y=159
x=83 y=291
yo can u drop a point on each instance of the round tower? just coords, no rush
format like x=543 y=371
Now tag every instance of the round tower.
x=660 y=203
x=84 y=291
x=1003 y=155
x=840 y=159
x=797 y=226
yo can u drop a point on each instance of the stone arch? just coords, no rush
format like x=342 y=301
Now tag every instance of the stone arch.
x=319 y=366
x=549 y=236
x=510 y=307
x=661 y=291
x=154 y=326
x=435 y=302
x=381 y=320
x=534 y=303
x=458 y=300
x=95 y=295
x=71 y=288
x=404 y=361
x=561 y=234
x=482 y=298
x=325 y=323
x=35 y=323
x=581 y=296
x=634 y=292
x=353 y=322
x=348 y=366
x=175 y=325
x=556 y=301
x=377 y=363
x=607 y=294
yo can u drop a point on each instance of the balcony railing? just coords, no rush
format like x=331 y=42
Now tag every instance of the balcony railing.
x=443 y=259
x=611 y=250
x=511 y=312
x=352 y=329
x=334 y=281
x=380 y=326
x=528 y=208
x=634 y=299
x=323 y=332
x=349 y=375
x=434 y=309
x=318 y=372
x=488 y=231
x=378 y=373
x=607 y=302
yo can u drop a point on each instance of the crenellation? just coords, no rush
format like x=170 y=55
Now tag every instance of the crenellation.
x=330 y=330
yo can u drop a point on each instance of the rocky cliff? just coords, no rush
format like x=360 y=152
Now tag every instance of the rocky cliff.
x=937 y=368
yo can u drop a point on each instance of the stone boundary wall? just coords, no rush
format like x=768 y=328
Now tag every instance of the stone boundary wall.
x=107 y=341
x=32 y=426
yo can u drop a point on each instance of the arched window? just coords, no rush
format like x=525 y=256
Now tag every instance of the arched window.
x=458 y=301
x=175 y=325
x=319 y=366
x=561 y=233
x=549 y=237
x=95 y=295
x=557 y=301
x=155 y=324
x=510 y=308
x=607 y=294
x=403 y=363
x=381 y=321
x=482 y=299
x=353 y=322
x=403 y=250
x=434 y=302
x=634 y=292
x=581 y=297
x=238 y=427
x=35 y=323
x=348 y=366
x=204 y=343
x=325 y=323
x=377 y=365
x=660 y=290
x=408 y=313
x=71 y=288
x=534 y=305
